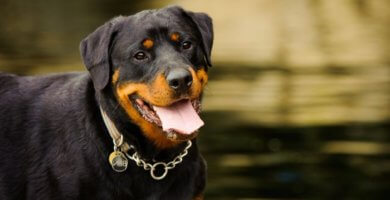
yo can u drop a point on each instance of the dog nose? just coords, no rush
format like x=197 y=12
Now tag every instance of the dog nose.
x=179 y=79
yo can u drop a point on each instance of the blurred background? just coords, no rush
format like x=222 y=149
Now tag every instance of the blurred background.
x=298 y=106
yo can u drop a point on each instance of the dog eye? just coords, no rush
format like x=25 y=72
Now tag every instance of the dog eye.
x=140 y=56
x=186 y=45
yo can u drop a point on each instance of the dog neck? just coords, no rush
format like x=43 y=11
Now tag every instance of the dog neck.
x=117 y=137
x=121 y=149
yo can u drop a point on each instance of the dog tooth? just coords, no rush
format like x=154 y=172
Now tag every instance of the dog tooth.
x=140 y=102
x=172 y=135
x=146 y=108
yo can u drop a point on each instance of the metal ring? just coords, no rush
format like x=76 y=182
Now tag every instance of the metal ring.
x=153 y=169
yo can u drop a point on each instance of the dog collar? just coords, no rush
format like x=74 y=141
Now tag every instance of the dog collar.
x=119 y=162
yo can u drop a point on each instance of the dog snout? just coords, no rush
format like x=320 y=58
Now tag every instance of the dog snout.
x=179 y=79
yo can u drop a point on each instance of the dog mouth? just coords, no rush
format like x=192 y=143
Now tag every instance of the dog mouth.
x=179 y=118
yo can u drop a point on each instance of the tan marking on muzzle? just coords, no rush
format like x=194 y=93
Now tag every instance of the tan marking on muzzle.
x=157 y=93
x=115 y=77
x=200 y=79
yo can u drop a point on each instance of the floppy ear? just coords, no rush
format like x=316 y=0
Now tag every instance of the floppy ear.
x=95 y=52
x=205 y=26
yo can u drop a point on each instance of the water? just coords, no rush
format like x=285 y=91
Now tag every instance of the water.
x=272 y=132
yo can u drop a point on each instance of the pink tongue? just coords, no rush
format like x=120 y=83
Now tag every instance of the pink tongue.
x=180 y=117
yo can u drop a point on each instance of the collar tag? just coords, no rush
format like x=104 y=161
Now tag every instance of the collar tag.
x=118 y=161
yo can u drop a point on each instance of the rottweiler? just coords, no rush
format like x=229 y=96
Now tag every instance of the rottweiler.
x=124 y=129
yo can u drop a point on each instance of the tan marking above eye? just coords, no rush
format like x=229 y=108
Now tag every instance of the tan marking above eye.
x=148 y=43
x=175 y=37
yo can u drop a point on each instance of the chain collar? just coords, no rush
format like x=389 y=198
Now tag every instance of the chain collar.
x=121 y=146
x=152 y=167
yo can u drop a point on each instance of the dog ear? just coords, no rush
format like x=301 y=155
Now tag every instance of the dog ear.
x=205 y=26
x=95 y=52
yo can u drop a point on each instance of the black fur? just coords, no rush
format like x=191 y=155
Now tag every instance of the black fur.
x=54 y=144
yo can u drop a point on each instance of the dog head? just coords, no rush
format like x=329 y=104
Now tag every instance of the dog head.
x=156 y=63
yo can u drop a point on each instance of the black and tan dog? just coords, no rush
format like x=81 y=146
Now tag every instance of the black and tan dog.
x=121 y=131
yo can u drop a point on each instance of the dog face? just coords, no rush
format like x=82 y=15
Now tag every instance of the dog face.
x=156 y=64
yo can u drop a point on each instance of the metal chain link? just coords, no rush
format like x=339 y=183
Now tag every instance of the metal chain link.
x=152 y=167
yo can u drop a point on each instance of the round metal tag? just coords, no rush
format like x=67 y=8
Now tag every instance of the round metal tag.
x=118 y=161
